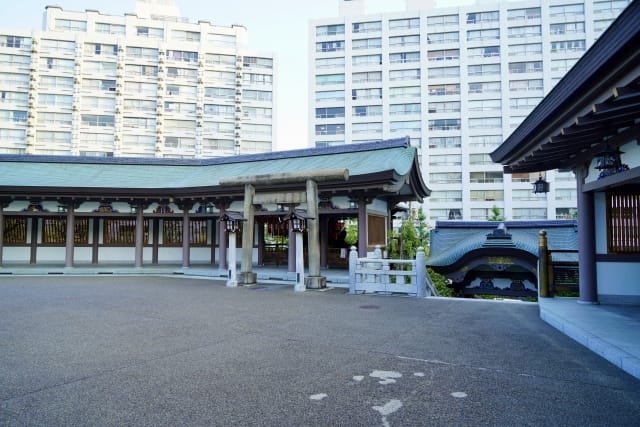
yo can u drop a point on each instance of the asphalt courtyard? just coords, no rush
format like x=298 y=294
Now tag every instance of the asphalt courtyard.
x=168 y=351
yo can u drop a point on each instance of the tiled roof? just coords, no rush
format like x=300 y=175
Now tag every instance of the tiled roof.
x=451 y=240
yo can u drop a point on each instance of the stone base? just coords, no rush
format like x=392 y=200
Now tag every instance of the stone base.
x=247 y=278
x=315 y=282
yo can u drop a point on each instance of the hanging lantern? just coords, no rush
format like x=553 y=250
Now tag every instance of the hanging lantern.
x=232 y=221
x=297 y=220
x=609 y=162
x=540 y=186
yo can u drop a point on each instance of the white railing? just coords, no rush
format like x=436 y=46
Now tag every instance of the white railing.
x=376 y=274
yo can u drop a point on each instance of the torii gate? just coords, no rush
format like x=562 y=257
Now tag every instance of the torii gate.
x=314 y=280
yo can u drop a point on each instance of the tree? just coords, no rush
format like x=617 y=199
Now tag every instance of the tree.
x=352 y=232
x=496 y=214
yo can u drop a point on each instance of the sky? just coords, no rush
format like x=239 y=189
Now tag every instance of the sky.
x=276 y=26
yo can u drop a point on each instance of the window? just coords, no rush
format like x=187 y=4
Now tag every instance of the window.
x=525 y=49
x=366 y=93
x=566 y=194
x=562 y=64
x=140 y=105
x=142 y=52
x=330 y=129
x=14 y=97
x=252 y=61
x=523 y=14
x=122 y=232
x=219 y=92
x=54 y=100
x=181 y=55
x=256 y=129
x=443 y=20
x=525 y=67
x=95 y=120
x=600 y=25
x=219 y=110
x=218 y=127
x=220 y=59
x=567 y=28
x=401 y=75
x=443 y=55
x=257 y=95
x=483 y=35
x=329 y=79
x=14 y=135
x=366 y=27
x=141 y=70
x=58 y=64
x=105 y=85
x=446 y=196
x=54 y=231
x=566 y=10
x=405 y=126
x=98 y=67
x=566 y=213
x=529 y=213
x=257 y=112
x=445 y=178
x=404 y=41
x=188 y=36
x=366 y=60
x=147 y=89
x=439 y=38
x=333 y=46
x=330 y=30
x=480 y=159
x=485 y=87
x=485 y=177
x=367 y=111
x=485 y=122
x=375 y=43
x=152 y=33
x=330 y=62
x=395 y=109
x=70 y=25
x=105 y=28
x=56 y=82
x=180 y=143
x=480 y=17
x=64 y=46
x=484 y=52
x=485 y=105
x=404 y=92
x=332 y=95
x=444 y=124
x=258 y=79
x=525 y=85
x=98 y=103
x=366 y=77
x=445 y=160
x=226 y=40
x=404 y=24
x=100 y=49
x=444 y=72
x=524 y=195
x=181 y=90
x=404 y=57
x=486 y=195
x=484 y=69
x=609 y=6
x=139 y=122
x=568 y=46
x=172 y=232
x=329 y=113
x=444 y=107
x=15 y=230
x=217 y=76
x=525 y=32
x=524 y=103
x=445 y=142
x=15 y=41
x=485 y=141
x=363 y=128
x=441 y=90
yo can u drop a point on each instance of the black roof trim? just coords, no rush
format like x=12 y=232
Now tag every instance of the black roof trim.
x=274 y=155
x=591 y=71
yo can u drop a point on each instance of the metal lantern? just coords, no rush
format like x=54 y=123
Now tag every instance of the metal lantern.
x=540 y=186
x=232 y=221
x=297 y=220
x=609 y=161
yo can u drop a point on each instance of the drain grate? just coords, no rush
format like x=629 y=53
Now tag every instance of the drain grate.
x=369 y=307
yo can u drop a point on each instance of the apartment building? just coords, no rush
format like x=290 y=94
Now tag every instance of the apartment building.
x=148 y=84
x=457 y=81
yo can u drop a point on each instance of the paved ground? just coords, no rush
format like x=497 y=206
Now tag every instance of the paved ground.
x=175 y=351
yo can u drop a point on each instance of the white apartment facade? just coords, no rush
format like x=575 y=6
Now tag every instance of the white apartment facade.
x=138 y=85
x=457 y=81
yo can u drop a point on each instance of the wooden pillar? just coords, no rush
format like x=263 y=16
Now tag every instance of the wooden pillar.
x=1 y=230
x=34 y=239
x=362 y=227
x=291 y=251
x=186 y=235
x=156 y=240
x=586 y=242
x=324 y=242
x=213 y=241
x=95 y=222
x=70 y=237
x=260 y=244
x=222 y=241
x=139 y=236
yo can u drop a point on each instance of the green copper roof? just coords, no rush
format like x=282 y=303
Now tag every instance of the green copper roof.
x=141 y=173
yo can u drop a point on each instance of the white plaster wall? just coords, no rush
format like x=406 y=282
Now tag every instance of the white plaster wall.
x=19 y=255
x=618 y=278
x=170 y=255
x=50 y=254
x=600 y=214
x=82 y=255
x=200 y=255
x=114 y=254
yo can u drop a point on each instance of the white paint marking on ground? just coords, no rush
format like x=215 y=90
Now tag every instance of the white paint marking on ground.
x=386 y=377
x=388 y=408
x=437 y=362
x=459 y=394
x=358 y=378
x=418 y=374
x=318 y=396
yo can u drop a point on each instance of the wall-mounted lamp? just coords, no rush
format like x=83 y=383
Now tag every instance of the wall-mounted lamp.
x=609 y=162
